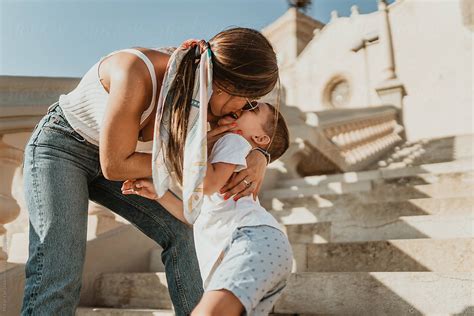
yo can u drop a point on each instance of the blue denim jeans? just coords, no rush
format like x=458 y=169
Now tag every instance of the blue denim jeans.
x=61 y=173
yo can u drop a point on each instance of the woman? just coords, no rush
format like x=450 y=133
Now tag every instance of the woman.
x=64 y=165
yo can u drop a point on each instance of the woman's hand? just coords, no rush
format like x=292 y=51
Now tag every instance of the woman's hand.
x=216 y=132
x=253 y=176
x=142 y=187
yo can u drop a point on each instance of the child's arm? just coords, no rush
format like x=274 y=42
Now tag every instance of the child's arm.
x=217 y=175
x=173 y=205
x=227 y=156
x=145 y=188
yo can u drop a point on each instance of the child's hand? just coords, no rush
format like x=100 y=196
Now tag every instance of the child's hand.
x=142 y=187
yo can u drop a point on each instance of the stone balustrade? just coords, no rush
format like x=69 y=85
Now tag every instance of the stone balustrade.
x=339 y=140
x=10 y=159
x=357 y=140
x=23 y=102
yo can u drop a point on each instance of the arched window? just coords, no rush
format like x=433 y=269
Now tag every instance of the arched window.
x=337 y=93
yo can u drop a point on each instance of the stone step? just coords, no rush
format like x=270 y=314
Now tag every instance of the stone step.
x=430 y=178
x=394 y=192
x=293 y=314
x=308 y=292
x=405 y=227
x=133 y=290
x=134 y=294
x=381 y=212
x=285 y=198
x=439 y=255
x=443 y=169
x=425 y=151
x=156 y=264
x=404 y=185
x=378 y=293
x=93 y=311
x=97 y=225
x=100 y=311
x=447 y=148
x=333 y=188
x=325 y=189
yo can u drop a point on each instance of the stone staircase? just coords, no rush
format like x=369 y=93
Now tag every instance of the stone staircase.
x=393 y=240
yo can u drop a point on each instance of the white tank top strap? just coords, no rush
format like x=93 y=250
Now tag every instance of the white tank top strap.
x=151 y=69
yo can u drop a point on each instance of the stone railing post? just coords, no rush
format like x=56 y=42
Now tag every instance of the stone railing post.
x=10 y=160
x=23 y=102
x=390 y=90
x=101 y=220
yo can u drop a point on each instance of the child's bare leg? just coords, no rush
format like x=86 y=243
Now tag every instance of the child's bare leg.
x=220 y=302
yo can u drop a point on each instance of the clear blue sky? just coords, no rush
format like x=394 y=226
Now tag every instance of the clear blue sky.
x=63 y=38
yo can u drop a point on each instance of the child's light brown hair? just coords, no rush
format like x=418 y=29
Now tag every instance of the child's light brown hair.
x=276 y=128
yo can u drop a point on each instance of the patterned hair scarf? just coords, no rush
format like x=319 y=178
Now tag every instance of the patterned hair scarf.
x=195 y=147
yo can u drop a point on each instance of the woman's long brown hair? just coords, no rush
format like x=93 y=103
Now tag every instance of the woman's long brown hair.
x=244 y=64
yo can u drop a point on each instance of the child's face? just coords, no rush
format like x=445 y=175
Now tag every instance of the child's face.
x=251 y=122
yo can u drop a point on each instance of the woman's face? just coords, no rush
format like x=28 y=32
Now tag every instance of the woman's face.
x=222 y=103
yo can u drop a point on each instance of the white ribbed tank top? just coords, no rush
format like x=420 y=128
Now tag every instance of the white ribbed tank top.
x=84 y=107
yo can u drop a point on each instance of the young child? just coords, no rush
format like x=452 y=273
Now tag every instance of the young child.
x=244 y=256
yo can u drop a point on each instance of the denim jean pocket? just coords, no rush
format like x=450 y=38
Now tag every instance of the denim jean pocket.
x=57 y=123
x=32 y=135
x=35 y=132
x=56 y=118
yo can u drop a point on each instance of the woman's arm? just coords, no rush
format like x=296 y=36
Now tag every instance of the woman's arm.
x=130 y=93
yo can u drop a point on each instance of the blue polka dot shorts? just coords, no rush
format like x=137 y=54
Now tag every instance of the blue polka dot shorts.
x=255 y=268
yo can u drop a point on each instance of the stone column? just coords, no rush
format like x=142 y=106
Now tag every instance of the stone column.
x=354 y=11
x=100 y=220
x=386 y=44
x=390 y=90
x=10 y=160
x=467 y=11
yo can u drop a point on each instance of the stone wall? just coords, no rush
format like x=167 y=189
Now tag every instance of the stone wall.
x=432 y=45
x=433 y=52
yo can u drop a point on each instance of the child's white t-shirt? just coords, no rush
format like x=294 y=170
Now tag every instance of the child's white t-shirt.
x=219 y=218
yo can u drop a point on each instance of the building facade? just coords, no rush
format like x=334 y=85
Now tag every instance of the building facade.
x=414 y=54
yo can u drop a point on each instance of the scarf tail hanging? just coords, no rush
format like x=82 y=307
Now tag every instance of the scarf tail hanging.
x=195 y=147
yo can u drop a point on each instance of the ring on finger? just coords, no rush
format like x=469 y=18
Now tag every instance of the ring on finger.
x=247 y=184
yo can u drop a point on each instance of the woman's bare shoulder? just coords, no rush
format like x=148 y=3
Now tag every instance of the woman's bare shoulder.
x=131 y=64
x=157 y=56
